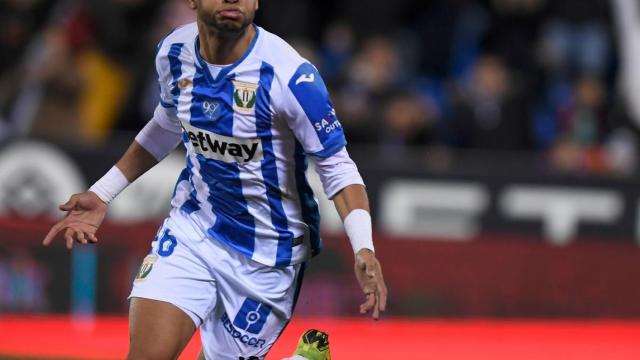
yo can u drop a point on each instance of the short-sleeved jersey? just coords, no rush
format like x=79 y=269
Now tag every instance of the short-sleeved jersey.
x=247 y=132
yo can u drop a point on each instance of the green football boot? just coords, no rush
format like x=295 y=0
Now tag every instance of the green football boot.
x=314 y=345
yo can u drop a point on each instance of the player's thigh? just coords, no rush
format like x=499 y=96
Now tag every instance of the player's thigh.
x=255 y=304
x=157 y=330
x=173 y=291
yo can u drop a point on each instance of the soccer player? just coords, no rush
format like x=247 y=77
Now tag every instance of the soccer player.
x=230 y=257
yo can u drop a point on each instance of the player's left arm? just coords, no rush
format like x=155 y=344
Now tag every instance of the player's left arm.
x=342 y=183
x=309 y=112
x=352 y=205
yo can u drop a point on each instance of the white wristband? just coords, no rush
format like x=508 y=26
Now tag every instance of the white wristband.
x=110 y=185
x=358 y=227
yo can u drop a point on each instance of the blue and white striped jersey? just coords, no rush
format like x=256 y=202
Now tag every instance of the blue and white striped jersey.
x=247 y=132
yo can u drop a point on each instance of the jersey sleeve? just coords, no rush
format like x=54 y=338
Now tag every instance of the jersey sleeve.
x=167 y=119
x=337 y=172
x=310 y=114
x=165 y=80
x=165 y=114
x=160 y=135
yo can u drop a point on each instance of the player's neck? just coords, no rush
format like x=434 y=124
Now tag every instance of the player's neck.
x=217 y=48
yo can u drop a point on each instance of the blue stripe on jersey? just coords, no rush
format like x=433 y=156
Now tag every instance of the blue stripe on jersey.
x=191 y=204
x=175 y=65
x=184 y=176
x=158 y=47
x=331 y=148
x=234 y=225
x=312 y=95
x=310 y=211
x=217 y=95
x=269 y=167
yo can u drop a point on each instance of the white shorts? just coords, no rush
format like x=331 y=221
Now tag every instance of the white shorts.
x=241 y=306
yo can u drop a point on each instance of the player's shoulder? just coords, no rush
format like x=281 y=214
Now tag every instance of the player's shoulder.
x=276 y=52
x=182 y=37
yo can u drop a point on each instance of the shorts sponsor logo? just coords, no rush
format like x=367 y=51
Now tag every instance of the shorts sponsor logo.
x=236 y=334
x=252 y=316
x=251 y=319
x=223 y=148
x=166 y=244
x=146 y=267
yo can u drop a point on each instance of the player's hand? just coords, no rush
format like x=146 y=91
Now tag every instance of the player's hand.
x=85 y=212
x=369 y=275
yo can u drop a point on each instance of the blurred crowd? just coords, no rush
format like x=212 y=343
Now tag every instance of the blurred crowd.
x=23 y=282
x=429 y=76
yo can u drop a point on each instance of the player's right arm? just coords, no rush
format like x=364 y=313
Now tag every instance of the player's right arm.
x=86 y=211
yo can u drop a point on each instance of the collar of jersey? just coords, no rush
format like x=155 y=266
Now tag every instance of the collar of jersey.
x=228 y=68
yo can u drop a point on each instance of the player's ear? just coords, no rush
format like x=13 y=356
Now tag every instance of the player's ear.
x=257 y=4
x=193 y=4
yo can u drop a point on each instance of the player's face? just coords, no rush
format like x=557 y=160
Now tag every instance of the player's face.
x=225 y=16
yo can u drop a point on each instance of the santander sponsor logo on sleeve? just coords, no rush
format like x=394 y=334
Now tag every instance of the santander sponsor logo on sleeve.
x=328 y=123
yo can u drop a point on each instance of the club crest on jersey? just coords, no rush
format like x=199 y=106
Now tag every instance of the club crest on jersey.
x=244 y=96
x=146 y=267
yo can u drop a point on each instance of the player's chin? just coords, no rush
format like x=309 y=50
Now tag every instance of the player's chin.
x=231 y=26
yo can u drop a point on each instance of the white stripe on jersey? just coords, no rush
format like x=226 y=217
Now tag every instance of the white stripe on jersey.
x=253 y=187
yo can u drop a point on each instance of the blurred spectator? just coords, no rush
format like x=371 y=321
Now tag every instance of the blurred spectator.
x=373 y=74
x=514 y=22
x=575 y=38
x=583 y=118
x=376 y=68
x=22 y=283
x=337 y=48
x=408 y=122
x=20 y=21
x=106 y=48
x=582 y=128
x=488 y=111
